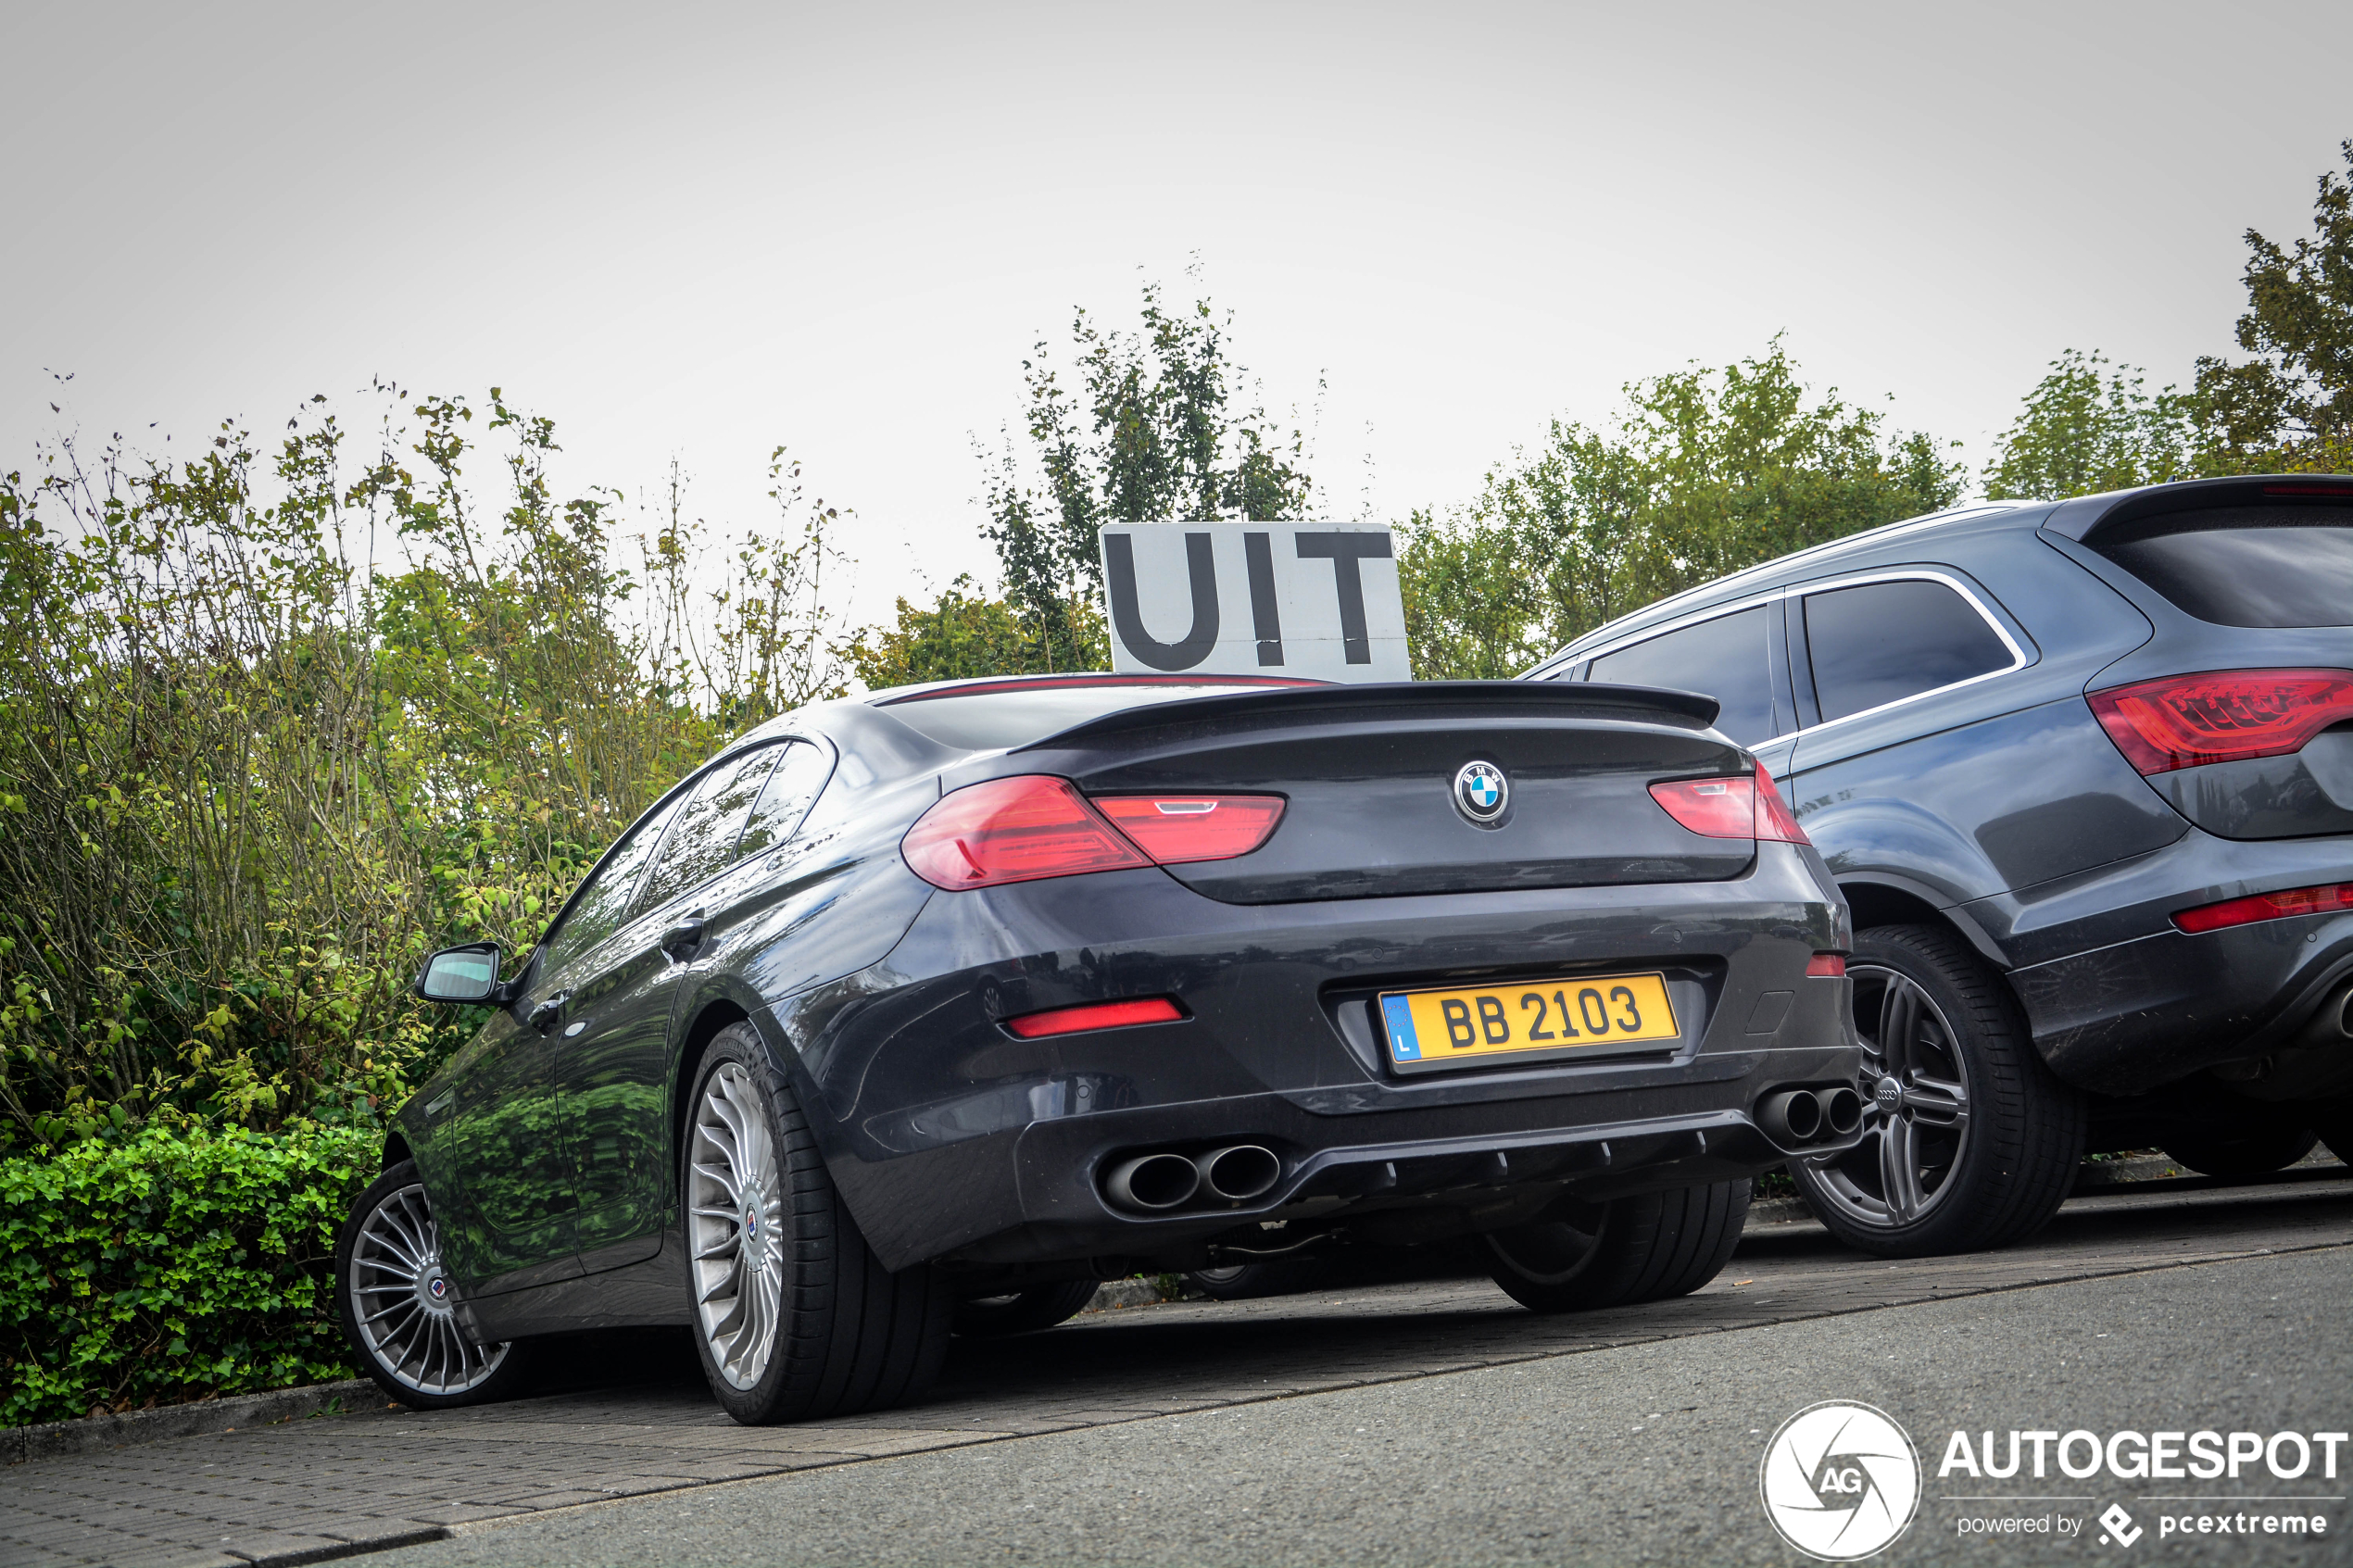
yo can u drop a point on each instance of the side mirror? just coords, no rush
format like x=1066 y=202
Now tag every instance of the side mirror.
x=460 y=974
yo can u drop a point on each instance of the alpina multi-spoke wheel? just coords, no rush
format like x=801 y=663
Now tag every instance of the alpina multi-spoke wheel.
x=398 y=1307
x=1968 y=1139
x=794 y=1316
x=736 y=1216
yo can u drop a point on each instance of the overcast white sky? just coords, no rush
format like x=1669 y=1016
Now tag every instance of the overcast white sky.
x=705 y=230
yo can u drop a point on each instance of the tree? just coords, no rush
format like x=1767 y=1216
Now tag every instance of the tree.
x=1154 y=431
x=2078 y=433
x=1705 y=471
x=2290 y=406
x=965 y=634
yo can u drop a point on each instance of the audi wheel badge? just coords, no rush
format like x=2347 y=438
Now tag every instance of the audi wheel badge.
x=1841 y=1480
x=1481 y=792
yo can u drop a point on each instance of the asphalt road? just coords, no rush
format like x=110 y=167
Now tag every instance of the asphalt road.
x=1427 y=1422
x=1647 y=1454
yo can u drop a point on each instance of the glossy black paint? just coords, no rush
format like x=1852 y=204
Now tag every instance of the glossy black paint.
x=1355 y=764
x=2000 y=807
x=955 y=1142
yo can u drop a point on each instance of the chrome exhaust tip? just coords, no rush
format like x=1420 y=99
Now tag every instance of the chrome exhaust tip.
x=1152 y=1182
x=1239 y=1173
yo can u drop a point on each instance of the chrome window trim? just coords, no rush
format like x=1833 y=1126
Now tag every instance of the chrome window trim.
x=2018 y=659
x=1696 y=617
x=1542 y=669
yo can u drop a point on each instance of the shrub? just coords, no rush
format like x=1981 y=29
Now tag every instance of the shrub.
x=166 y=1267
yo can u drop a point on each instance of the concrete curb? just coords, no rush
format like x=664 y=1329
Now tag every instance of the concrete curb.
x=56 y=1439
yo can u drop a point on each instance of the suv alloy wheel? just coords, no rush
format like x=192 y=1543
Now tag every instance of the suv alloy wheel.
x=1969 y=1140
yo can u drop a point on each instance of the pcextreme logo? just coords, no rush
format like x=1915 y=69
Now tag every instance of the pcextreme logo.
x=1840 y=1480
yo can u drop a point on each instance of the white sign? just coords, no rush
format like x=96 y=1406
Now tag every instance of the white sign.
x=1254 y=598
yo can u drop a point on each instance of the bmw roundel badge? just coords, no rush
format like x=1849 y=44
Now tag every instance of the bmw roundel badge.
x=1480 y=792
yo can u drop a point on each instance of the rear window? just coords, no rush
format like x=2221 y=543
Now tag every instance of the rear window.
x=992 y=718
x=2246 y=566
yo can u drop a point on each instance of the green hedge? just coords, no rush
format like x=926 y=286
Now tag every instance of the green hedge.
x=173 y=1265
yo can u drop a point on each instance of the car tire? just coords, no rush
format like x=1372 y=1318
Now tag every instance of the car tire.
x=2332 y=1118
x=1990 y=1136
x=1251 y=1281
x=1025 y=1312
x=397 y=1308
x=794 y=1317
x=2249 y=1154
x=1646 y=1247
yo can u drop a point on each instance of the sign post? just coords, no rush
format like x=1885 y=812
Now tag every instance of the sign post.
x=1254 y=598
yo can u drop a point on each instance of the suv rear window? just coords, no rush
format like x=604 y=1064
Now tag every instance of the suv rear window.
x=992 y=717
x=2245 y=566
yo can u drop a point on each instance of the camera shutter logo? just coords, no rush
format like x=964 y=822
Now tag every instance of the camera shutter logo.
x=1840 y=1481
x=1480 y=791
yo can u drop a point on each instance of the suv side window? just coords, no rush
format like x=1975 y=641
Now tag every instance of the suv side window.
x=1725 y=658
x=598 y=911
x=704 y=840
x=791 y=789
x=1881 y=641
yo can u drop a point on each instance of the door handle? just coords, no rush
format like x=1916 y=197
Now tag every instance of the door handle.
x=543 y=1017
x=681 y=940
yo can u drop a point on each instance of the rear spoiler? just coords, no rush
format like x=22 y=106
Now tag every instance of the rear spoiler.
x=2086 y=515
x=1403 y=699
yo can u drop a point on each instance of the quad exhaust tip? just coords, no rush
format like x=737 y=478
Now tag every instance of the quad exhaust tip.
x=1804 y=1116
x=1239 y=1173
x=1153 y=1184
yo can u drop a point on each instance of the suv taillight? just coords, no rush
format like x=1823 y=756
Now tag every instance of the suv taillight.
x=2221 y=715
x=1749 y=808
x=1034 y=826
x=2329 y=898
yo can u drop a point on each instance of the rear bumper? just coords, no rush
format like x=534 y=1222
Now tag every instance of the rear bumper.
x=952 y=1141
x=2149 y=1004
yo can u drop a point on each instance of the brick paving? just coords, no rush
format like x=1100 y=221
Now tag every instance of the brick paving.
x=330 y=1487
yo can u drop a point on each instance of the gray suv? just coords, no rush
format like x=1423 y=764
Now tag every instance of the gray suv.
x=2085 y=772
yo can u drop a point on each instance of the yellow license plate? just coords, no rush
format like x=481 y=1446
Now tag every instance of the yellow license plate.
x=1429 y=1029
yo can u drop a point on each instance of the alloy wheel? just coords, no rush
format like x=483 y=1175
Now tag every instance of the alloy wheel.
x=404 y=1306
x=735 y=1221
x=1916 y=1106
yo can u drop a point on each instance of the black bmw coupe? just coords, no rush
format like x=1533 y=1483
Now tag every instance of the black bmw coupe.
x=922 y=1011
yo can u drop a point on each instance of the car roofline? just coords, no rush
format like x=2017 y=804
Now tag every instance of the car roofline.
x=1751 y=579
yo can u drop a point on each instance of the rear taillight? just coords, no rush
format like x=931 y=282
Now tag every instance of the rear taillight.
x=1014 y=829
x=1034 y=826
x=2336 y=898
x=1176 y=829
x=1094 y=1015
x=1775 y=820
x=1749 y=808
x=2221 y=715
x=1718 y=808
